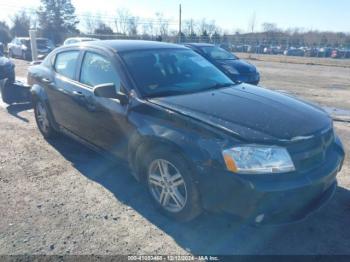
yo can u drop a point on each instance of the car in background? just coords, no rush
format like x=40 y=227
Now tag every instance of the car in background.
x=311 y=52
x=196 y=139
x=11 y=90
x=7 y=68
x=235 y=68
x=340 y=53
x=74 y=40
x=325 y=52
x=294 y=52
x=273 y=50
x=20 y=47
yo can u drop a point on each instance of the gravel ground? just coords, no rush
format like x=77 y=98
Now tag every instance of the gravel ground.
x=59 y=197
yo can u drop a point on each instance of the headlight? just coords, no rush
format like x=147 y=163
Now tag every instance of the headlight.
x=256 y=159
x=231 y=70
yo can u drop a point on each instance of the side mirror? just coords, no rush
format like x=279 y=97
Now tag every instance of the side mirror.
x=108 y=91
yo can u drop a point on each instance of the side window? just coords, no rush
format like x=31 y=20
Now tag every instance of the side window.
x=66 y=63
x=97 y=70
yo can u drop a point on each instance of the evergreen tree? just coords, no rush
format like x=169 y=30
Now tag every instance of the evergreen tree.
x=5 y=35
x=21 y=24
x=57 y=19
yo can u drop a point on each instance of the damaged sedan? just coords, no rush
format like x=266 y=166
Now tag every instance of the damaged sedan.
x=196 y=139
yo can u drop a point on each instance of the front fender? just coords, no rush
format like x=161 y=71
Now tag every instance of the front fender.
x=199 y=150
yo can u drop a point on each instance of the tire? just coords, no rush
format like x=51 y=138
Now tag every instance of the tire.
x=43 y=120
x=165 y=190
x=5 y=90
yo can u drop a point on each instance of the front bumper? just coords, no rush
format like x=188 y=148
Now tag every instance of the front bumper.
x=275 y=199
x=253 y=78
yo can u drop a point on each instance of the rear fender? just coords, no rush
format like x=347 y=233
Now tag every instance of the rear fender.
x=38 y=93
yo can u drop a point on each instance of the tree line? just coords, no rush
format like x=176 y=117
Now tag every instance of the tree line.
x=57 y=19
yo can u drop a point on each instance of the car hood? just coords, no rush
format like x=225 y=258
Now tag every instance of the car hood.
x=252 y=113
x=241 y=66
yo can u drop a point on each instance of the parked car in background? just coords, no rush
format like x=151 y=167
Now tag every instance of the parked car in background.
x=340 y=53
x=325 y=52
x=195 y=139
x=74 y=40
x=11 y=90
x=7 y=68
x=294 y=52
x=20 y=47
x=311 y=52
x=273 y=50
x=235 y=68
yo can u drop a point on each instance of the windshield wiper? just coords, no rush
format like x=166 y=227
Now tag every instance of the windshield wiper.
x=166 y=93
x=220 y=85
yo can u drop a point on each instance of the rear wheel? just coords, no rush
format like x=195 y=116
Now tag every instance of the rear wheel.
x=171 y=185
x=43 y=120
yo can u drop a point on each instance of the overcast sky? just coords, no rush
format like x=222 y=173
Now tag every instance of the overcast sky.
x=228 y=14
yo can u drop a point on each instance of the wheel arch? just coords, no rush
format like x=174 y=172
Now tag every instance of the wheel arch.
x=38 y=93
x=140 y=146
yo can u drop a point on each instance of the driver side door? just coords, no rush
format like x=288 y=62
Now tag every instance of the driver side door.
x=102 y=120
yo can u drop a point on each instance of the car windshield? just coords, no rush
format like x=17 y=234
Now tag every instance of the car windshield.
x=173 y=72
x=41 y=43
x=218 y=53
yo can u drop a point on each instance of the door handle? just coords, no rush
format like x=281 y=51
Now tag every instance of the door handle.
x=78 y=93
x=46 y=80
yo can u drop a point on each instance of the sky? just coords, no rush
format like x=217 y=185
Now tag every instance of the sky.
x=231 y=15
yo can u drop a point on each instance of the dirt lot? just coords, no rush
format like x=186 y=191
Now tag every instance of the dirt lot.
x=61 y=198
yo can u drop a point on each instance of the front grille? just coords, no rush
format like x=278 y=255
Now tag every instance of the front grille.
x=311 y=153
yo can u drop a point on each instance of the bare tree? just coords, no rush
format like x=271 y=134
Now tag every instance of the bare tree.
x=132 y=26
x=270 y=27
x=162 y=24
x=207 y=28
x=121 y=21
x=91 y=22
x=189 y=27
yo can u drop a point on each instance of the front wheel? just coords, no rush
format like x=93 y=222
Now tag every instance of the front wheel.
x=43 y=120
x=171 y=185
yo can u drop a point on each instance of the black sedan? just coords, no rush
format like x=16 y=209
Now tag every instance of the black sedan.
x=236 y=69
x=195 y=138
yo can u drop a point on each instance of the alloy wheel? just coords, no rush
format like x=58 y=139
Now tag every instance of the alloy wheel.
x=42 y=117
x=167 y=185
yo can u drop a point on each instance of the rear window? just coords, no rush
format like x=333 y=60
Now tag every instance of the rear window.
x=66 y=62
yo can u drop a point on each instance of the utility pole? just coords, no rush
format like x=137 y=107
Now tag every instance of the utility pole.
x=32 y=35
x=180 y=11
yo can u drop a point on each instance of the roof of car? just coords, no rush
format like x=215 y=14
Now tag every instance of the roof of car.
x=129 y=45
x=81 y=38
x=198 y=44
x=27 y=38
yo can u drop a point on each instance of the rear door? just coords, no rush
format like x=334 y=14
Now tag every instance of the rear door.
x=62 y=85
